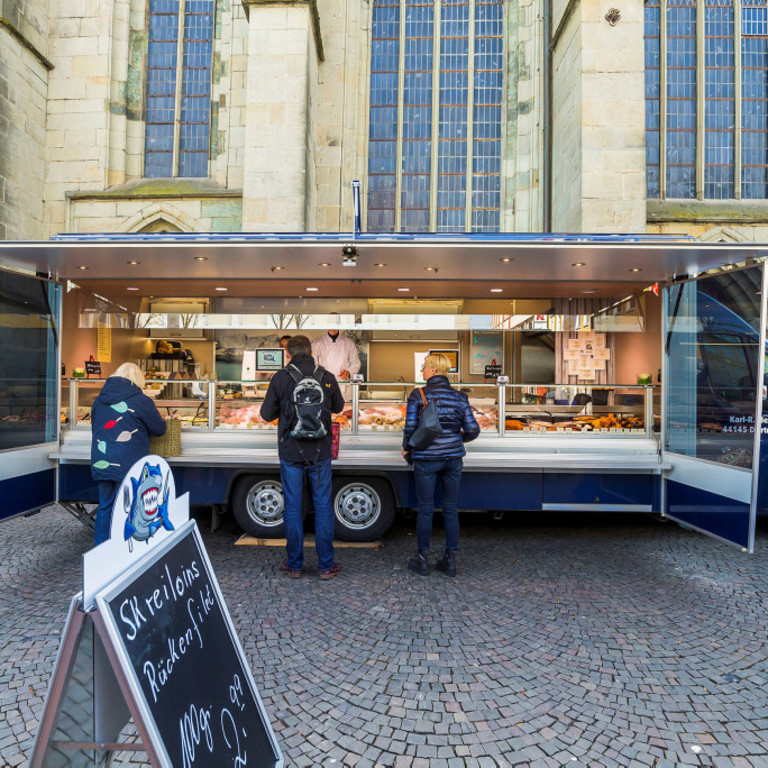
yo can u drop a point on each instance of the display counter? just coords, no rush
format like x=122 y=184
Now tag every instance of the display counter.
x=529 y=455
x=379 y=407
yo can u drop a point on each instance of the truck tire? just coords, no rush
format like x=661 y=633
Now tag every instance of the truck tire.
x=363 y=509
x=257 y=504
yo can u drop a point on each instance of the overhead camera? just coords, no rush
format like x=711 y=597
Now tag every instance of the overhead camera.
x=348 y=255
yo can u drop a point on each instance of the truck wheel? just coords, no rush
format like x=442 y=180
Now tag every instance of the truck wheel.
x=364 y=509
x=257 y=504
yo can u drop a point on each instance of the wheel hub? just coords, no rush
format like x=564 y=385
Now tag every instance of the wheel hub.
x=358 y=506
x=265 y=503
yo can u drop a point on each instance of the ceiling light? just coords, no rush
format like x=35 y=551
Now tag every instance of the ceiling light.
x=82 y=266
x=323 y=264
x=201 y=258
x=134 y=263
x=222 y=289
x=578 y=264
x=430 y=269
x=403 y=290
x=590 y=290
x=635 y=269
x=311 y=289
x=496 y=290
x=381 y=265
x=129 y=288
x=506 y=259
x=277 y=268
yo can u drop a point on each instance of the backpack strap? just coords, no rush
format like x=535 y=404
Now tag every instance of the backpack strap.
x=298 y=376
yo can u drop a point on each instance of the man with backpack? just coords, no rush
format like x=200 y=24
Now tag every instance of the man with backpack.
x=302 y=397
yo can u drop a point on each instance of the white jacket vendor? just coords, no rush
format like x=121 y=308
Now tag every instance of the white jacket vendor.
x=337 y=354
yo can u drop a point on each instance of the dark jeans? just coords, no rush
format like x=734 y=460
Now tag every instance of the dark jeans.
x=426 y=474
x=292 y=477
x=107 y=493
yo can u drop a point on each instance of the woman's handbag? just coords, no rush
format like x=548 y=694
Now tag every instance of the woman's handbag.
x=429 y=425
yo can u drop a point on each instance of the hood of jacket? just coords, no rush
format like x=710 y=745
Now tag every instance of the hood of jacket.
x=116 y=389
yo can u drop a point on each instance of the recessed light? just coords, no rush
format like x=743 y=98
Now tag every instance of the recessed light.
x=578 y=264
x=496 y=290
x=430 y=269
x=201 y=258
x=635 y=269
x=591 y=290
x=403 y=290
x=506 y=259
x=222 y=289
x=134 y=263
x=321 y=264
x=311 y=289
x=380 y=264
x=277 y=268
x=129 y=288
x=83 y=266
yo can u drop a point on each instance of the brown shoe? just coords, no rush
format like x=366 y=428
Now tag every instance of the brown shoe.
x=291 y=573
x=334 y=570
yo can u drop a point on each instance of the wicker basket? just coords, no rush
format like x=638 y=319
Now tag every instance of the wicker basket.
x=168 y=444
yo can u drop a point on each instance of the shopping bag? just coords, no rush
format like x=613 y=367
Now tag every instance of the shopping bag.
x=168 y=444
x=335 y=434
x=429 y=425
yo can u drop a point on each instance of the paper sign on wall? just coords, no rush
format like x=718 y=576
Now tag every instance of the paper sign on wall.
x=103 y=343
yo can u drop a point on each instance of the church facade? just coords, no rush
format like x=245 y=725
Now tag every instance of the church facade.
x=455 y=115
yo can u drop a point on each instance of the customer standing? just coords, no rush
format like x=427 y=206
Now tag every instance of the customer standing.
x=300 y=455
x=338 y=354
x=122 y=419
x=441 y=460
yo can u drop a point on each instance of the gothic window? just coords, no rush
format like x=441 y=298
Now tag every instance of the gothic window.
x=178 y=91
x=435 y=129
x=706 y=88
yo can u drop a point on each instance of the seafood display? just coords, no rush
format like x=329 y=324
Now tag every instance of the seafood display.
x=577 y=424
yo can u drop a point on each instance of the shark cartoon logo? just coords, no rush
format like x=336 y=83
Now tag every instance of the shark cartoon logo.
x=148 y=510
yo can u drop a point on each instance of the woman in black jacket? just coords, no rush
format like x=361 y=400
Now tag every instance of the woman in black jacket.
x=441 y=460
x=122 y=419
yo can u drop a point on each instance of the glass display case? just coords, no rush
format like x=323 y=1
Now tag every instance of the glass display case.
x=379 y=407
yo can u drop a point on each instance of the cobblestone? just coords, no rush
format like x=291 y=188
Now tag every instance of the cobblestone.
x=564 y=641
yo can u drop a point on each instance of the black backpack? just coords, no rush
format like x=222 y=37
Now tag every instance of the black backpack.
x=309 y=404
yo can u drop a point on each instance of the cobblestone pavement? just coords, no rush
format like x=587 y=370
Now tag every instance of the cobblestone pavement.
x=564 y=641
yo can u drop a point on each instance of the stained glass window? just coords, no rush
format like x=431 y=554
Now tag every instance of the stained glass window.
x=178 y=92
x=435 y=131
x=728 y=159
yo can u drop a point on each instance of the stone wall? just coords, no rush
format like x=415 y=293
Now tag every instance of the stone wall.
x=599 y=118
x=24 y=71
x=281 y=43
x=566 y=124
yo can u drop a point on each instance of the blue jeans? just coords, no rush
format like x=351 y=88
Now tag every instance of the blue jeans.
x=107 y=494
x=426 y=475
x=292 y=477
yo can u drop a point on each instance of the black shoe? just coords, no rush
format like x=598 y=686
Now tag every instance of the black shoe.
x=419 y=564
x=447 y=563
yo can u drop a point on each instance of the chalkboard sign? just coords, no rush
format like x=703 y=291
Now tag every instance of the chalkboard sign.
x=492 y=371
x=93 y=367
x=182 y=659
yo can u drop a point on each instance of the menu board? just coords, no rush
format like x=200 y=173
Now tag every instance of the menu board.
x=182 y=658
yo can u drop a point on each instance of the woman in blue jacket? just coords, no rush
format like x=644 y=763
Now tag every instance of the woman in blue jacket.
x=122 y=419
x=441 y=460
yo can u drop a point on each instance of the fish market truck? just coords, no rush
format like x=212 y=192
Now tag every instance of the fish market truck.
x=607 y=373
